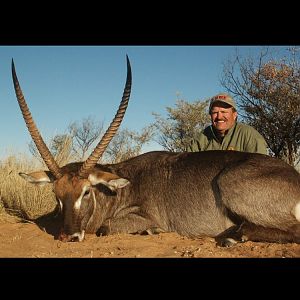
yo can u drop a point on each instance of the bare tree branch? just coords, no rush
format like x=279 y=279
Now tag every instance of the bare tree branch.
x=267 y=93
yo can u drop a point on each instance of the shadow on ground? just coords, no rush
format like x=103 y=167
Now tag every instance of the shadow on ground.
x=51 y=223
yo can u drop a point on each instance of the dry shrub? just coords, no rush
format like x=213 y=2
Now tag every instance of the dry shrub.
x=17 y=196
x=5 y=216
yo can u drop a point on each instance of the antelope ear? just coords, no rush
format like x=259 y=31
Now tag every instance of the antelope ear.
x=38 y=178
x=110 y=180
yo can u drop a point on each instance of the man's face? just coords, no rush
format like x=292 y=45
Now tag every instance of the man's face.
x=223 y=117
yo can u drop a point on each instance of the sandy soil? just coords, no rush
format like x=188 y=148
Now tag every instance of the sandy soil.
x=27 y=240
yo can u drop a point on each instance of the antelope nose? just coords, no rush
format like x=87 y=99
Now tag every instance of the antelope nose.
x=68 y=238
x=74 y=239
x=63 y=237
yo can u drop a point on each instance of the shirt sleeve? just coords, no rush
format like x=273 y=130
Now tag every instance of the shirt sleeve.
x=194 y=145
x=257 y=143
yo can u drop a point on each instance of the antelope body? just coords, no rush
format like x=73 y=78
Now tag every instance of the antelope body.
x=232 y=196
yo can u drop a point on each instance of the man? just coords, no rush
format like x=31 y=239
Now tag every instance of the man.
x=225 y=133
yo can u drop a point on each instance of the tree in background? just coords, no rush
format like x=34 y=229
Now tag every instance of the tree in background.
x=268 y=92
x=126 y=144
x=74 y=145
x=80 y=140
x=182 y=122
x=60 y=146
x=84 y=134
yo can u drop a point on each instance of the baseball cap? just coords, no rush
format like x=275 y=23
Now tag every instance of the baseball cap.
x=222 y=98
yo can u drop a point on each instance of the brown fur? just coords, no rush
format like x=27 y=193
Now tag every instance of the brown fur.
x=223 y=194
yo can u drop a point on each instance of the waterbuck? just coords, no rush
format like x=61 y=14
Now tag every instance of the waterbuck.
x=232 y=196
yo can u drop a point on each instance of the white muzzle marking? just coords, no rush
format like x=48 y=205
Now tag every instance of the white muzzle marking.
x=79 y=235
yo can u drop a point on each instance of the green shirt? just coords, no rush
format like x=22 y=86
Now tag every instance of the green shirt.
x=240 y=137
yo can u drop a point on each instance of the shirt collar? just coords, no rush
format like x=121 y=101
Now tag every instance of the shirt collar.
x=228 y=134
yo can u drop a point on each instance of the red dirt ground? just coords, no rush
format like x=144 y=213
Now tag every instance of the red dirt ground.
x=26 y=240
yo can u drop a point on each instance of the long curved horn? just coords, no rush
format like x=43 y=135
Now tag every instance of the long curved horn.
x=34 y=132
x=113 y=127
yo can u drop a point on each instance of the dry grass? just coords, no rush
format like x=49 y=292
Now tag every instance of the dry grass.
x=19 y=198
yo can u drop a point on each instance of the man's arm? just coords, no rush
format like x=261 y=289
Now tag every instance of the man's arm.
x=257 y=143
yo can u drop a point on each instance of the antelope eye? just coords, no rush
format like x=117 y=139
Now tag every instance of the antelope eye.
x=87 y=192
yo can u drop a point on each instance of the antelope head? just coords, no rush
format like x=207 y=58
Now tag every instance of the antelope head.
x=75 y=188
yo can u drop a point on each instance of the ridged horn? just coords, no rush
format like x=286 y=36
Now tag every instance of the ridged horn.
x=112 y=129
x=34 y=132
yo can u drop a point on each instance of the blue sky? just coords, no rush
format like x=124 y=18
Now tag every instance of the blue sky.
x=63 y=84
